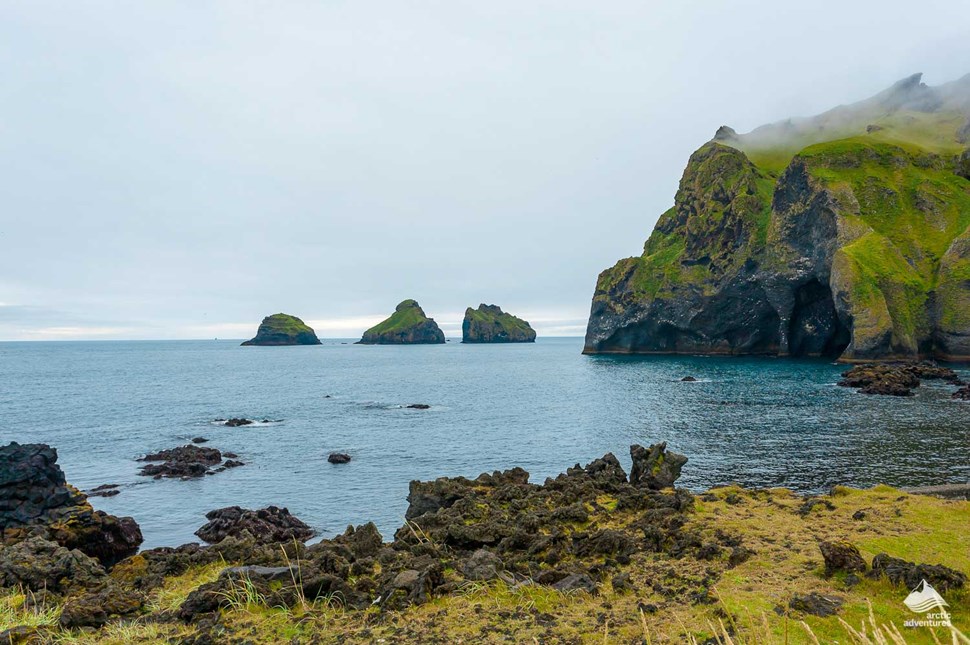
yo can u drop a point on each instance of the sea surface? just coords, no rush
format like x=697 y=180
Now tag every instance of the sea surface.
x=542 y=406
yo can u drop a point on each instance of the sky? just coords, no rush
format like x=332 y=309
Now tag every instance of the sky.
x=180 y=169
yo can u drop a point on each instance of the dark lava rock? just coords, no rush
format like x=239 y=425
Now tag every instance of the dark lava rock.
x=200 y=440
x=185 y=461
x=688 y=379
x=489 y=324
x=232 y=463
x=419 y=406
x=21 y=635
x=963 y=394
x=483 y=565
x=267 y=525
x=408 y=325
x=37 y=564
x=283 y=329
x=338 y=458
x=621 y=583
x=235 y=422
x=105 y=490
x=94 y=609
x=816 y=604
x=894 y=379
x=576 y=582
x=36 y=500
x=908 y=574
x=841 y=556
x=654 y=467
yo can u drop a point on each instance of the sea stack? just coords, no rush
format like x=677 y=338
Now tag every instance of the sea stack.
x=283 y=329
x=408 y=325
x=489 y=324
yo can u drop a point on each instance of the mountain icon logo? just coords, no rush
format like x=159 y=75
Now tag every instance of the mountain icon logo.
x=924 y=598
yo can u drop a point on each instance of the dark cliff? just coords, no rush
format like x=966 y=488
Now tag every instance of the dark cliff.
x=844 y=235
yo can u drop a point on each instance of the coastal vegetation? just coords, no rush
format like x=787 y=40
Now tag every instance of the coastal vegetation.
x=593 y=555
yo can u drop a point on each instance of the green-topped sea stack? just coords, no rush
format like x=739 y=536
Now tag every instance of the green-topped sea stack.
x=842 y=235
x=489 y=324
x=283 y=329
x=408 y=325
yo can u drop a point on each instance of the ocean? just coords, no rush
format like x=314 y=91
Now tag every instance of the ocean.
x=544 y=406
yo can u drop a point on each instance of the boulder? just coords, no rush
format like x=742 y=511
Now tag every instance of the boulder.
x=489 y=324
x=908 y=574
x=37 y=564
x=267 y=525
x=283 y=329
x=576 y=582
x=816 y=604
x=482 y=565
x=841 y=556
x=408 y=325
x=236 y=422
x=654 y=467
x=338 y=458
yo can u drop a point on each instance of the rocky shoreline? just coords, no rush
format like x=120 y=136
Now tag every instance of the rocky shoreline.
x=592 y=531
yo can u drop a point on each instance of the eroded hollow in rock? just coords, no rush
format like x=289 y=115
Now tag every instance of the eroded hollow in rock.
x=815 y=328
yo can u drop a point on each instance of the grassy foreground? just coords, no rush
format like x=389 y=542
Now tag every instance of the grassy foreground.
x=669 y=601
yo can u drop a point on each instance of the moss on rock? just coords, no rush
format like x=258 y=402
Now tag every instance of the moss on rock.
x=489 y=324
x=408 y=325
x=283 y=329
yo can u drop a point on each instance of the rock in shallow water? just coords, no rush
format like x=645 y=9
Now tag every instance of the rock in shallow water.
x=338 y=458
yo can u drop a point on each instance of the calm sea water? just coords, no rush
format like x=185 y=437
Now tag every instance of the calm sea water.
x=759 y=422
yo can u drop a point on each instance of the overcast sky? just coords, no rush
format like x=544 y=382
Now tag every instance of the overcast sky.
x=181 y=169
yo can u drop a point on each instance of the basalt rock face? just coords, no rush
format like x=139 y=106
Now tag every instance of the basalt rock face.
x=408 y=325
x=822 y=237
x=283 y=329
x=489 y=324
x=37 y=502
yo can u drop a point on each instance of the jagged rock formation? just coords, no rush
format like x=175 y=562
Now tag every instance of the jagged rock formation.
x=37 y=503
x=283 y=329
x=489 y=324
x=844 y=235
x=408 y=325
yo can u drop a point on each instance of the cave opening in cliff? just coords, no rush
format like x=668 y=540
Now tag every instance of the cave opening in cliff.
x=815 y=328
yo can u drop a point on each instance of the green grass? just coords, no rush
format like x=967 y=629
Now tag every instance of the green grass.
x=407 y=314
x=284 y=324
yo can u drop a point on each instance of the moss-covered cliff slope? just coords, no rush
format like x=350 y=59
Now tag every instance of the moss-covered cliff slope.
x=846 y=235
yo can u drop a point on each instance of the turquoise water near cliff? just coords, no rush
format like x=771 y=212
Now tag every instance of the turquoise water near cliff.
x=759 y=422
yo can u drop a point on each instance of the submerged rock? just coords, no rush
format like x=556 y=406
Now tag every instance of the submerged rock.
x=283 y=329
x=489 y=324
x=408 y=325
x=238 y=422
x=338 y=458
